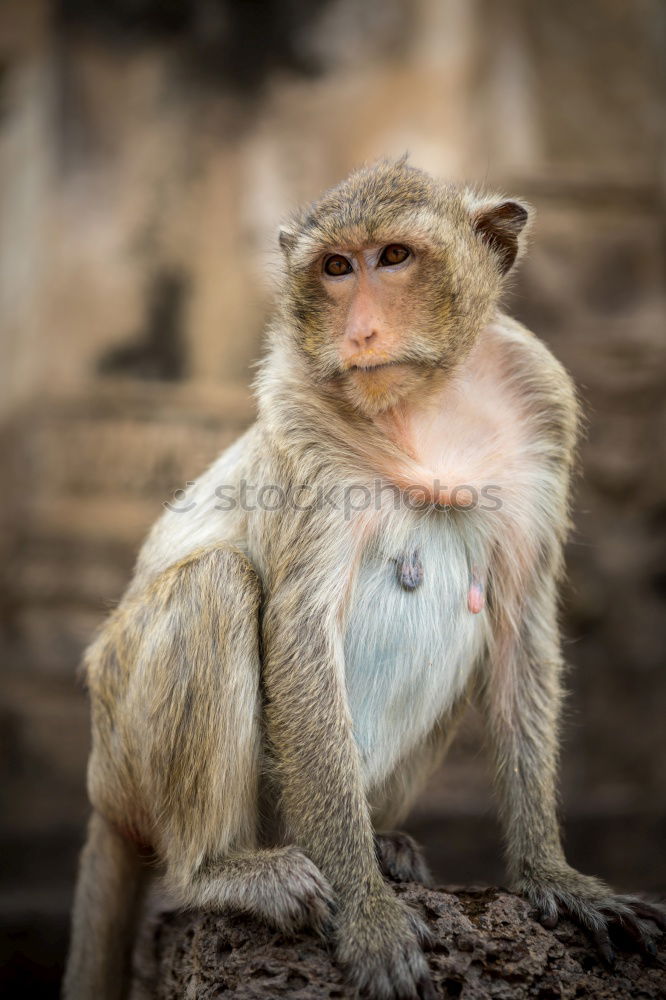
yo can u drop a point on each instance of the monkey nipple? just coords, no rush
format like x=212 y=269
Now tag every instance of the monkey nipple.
x=476 y=598
x=410 y=571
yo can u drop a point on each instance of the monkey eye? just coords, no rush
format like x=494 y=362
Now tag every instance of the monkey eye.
x=394 y=253
x=336 y=264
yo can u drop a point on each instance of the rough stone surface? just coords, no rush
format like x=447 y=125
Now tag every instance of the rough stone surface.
x=486 y=944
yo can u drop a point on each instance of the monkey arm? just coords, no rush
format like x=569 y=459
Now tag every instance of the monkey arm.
x=521 y=697
x=309 y=727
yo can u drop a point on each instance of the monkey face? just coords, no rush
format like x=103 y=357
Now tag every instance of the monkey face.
x=381 y=329
x=390 y=278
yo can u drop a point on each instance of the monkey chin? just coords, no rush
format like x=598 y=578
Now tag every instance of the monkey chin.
x=375 y=390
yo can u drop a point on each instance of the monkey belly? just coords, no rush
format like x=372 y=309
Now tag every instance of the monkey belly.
x=409 y=654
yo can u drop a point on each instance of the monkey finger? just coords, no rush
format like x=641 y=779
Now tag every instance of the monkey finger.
x=326 y=925
x=331 y=906
x=602 y=942
x=326 y=932
x=638 y=931
x=424 y=935
x=426 y=939
x=649 y=911
x=548 y=919
x=425 y=989
x=326 y=928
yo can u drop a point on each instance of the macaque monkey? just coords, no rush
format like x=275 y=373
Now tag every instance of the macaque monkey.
x=282 y=675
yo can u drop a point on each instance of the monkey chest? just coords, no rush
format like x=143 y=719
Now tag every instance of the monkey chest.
x=411 y=641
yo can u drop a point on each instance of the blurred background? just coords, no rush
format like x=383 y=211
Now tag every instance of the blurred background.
x=148 y=149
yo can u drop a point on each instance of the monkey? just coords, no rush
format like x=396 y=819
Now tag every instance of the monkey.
x=281 y=677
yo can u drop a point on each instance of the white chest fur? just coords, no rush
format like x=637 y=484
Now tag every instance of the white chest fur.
x=409 y=654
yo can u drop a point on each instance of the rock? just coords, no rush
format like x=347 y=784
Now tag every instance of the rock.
x=486 y=944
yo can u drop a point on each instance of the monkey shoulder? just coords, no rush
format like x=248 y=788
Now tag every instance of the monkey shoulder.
x=534 y=515
x=537 y=378
x=205 y=512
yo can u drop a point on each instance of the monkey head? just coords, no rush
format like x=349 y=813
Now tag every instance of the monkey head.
x=390 y=277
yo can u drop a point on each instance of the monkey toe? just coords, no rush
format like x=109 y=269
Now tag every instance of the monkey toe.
x=311 y=912
x=400 y=858
x=309 y=906
x=296 y=895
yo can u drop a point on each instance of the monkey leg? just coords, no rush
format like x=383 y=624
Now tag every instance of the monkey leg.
x=177 y=756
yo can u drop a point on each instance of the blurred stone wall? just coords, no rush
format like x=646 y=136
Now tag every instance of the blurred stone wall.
x=147 y=153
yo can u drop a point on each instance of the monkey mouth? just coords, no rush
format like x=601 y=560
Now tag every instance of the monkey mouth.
x=376 y=367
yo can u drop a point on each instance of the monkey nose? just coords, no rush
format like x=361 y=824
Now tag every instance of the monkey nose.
x=362 y=338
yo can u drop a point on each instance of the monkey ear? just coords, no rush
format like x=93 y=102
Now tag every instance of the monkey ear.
x=286 y=239
x=500 y=226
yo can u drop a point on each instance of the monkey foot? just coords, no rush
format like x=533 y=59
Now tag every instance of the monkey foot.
x=287 y=890
x=400 y=858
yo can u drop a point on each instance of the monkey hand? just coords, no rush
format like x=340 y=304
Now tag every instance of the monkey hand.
x=379 y=945
x=554 y=888
x=400 y=858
